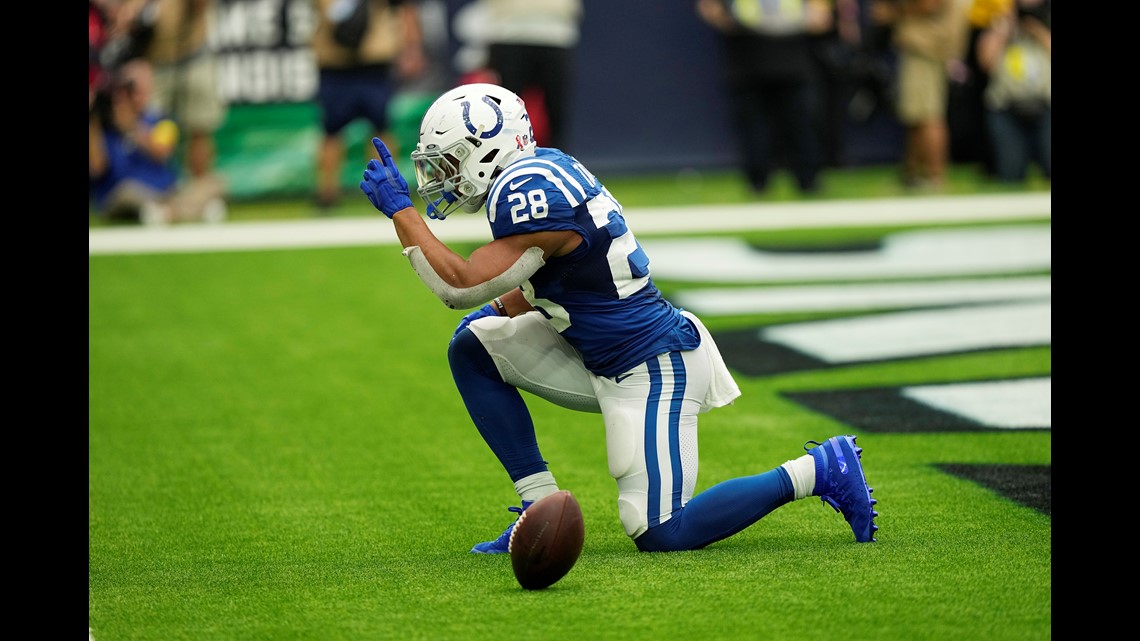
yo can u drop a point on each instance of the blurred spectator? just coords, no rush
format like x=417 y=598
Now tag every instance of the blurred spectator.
x=1017 y=51
x=98 y=33
x=118 y=31
x=417 y=91
x=929 y=36
x=364 y=49
x=873 y=69
x=769 y=77
x=835 y=52
x=132 y=173
x=530 y=50
x=186 y=83
x=969 y=139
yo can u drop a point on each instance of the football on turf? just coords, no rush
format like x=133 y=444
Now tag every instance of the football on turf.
x=547 y=540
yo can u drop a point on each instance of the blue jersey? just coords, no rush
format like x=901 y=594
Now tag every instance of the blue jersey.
x=600 y=296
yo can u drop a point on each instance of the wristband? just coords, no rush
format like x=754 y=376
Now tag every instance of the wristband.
x=501 y=308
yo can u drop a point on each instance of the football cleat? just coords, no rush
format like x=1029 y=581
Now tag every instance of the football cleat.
x=502 y=544
x=841 y=484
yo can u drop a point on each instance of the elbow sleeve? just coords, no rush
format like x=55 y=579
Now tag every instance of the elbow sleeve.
x=469 y=297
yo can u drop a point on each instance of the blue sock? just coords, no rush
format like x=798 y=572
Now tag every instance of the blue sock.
x=719 y=512
x=497 y=409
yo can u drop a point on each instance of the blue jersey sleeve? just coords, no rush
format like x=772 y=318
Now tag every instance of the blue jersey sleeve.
x=541 y=193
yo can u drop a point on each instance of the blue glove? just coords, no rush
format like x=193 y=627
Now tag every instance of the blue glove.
x=486 y=310
x=385 y=187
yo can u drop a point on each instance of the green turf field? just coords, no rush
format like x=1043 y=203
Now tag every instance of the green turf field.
x=277 y=453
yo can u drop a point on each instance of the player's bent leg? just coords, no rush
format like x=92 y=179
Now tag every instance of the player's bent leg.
x=651 y=435
x=532 y=356
x=502 y=418
x=651 y=439
x=719 y=512
x=496 y=408
x=491 y=360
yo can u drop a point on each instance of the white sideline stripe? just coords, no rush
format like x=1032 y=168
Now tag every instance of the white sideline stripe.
x=755 y=300
x=240 y=236
x=1017 y=404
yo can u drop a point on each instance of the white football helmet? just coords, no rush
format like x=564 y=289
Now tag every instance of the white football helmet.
x=467 y=136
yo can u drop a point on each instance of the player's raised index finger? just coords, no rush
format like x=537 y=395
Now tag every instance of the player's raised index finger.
x=382 y=149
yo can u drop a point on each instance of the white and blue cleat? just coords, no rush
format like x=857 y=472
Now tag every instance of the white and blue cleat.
x=841 y=484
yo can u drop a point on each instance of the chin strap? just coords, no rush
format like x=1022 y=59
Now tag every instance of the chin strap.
x=433 y=207
x=469 y=297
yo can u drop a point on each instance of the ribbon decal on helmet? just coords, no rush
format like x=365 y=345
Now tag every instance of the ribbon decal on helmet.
x=498 y=114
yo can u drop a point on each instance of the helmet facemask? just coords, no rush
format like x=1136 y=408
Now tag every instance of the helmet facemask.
x=439 y=180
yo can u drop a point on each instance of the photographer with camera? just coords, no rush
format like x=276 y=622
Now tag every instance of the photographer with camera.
x=132 y=171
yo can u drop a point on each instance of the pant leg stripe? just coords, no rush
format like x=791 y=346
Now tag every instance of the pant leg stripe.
x=679 y=381
x=653 y=491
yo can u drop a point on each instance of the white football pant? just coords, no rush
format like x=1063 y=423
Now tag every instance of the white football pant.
x=650 y=412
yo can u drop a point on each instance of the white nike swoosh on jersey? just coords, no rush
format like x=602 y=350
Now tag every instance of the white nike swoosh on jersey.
x=520 y=183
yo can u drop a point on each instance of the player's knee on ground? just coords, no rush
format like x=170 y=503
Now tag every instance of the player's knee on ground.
x=633 y=502
x=658 y=539
x=631 y=511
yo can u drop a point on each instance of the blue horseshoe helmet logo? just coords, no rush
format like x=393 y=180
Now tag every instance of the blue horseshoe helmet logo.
x=498 y=114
